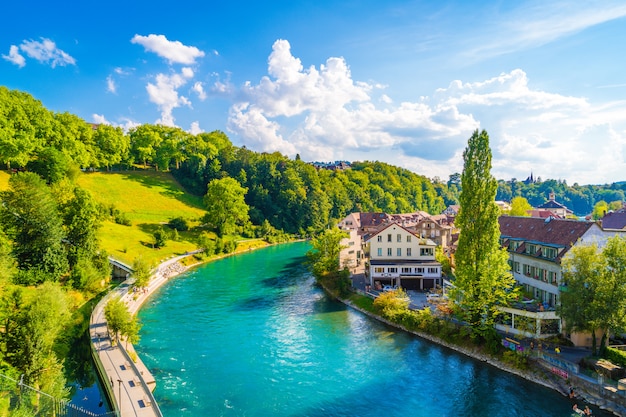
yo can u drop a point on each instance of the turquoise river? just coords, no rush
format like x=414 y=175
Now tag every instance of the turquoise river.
x=251 y=335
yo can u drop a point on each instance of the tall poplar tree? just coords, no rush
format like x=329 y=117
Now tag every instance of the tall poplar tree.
x=483 y=279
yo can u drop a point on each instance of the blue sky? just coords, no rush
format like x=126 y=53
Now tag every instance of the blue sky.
x=405 y=82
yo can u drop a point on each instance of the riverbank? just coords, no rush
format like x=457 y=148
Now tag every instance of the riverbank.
x=119 y=362
x=537 y=373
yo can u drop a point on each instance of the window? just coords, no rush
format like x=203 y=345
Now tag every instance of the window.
x=388 y=251
x=398 y=251
x=549 y=253
x=408 y=251
x=380 y=238
x=432 y=270
x=392 y=270
x=406 y=270
x=419 y=270
x=408 y=238
x=399 y=238
x=516 y=266
x=426 y=251
x=379 y=270
x=389 y=237
x=380 y=252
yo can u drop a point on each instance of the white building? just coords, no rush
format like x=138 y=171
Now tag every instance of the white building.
x=398 y=256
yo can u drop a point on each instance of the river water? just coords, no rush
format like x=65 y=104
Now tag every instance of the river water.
x=251 y=335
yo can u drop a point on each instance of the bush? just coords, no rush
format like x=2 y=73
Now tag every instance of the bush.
x=515 y=359
x=392 y=304
x=616 y=356
x=179 y=224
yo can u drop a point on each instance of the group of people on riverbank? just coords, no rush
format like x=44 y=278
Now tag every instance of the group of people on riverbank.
x=583 y=412
x=172 y=269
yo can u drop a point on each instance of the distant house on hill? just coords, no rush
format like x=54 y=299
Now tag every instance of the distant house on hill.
x=504 y=206
x=334 y=166
x=556 y=208
x=452 y=210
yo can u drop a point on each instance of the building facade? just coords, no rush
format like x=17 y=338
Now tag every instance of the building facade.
x=398 y=256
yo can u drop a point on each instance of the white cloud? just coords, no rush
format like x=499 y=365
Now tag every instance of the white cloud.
x=100 y=119
x=325 y=109
x=15 y=57
x=199 y=89
x=323 y=114
x=195 y=129
x=535 y=24
x=125 y=124
x=111 y=87
x=173 y=51
x=164 y=93
x=46 y=51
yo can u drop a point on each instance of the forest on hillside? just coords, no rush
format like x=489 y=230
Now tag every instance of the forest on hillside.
x=290 y=194
x=51 y=260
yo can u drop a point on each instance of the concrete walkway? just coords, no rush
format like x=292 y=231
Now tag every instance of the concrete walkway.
x=130 y=382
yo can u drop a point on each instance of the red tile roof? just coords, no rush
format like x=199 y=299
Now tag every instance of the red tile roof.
x=554 y=232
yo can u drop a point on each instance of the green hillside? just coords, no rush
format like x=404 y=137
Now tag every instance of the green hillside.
x=149 y=200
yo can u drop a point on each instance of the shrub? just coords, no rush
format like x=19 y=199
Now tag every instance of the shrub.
x=616 y=356
x=179 y=223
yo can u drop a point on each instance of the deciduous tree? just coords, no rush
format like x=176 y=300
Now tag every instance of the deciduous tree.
x=31 y=219
x=226 y=206
x=483 y=280
x=520 y=207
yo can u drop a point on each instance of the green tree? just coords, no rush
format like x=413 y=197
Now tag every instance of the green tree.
x=142 y=271
x=599 y=210
x=594 y=296
x=582 y=269
x=38 y=327
x=324 y=260
x=226 y=206
x=144 y=142
x=111 y=146
x=31 y=219
x=120 y=320
x=483 y=280
x=160 y=238
x=324 y=256
x=520 y=207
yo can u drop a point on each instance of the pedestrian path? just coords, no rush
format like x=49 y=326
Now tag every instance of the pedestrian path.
x=130 y=383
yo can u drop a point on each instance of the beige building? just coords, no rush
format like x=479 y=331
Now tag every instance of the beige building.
x=400 y=257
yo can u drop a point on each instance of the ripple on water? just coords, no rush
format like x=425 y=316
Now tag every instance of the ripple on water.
x=252 y=336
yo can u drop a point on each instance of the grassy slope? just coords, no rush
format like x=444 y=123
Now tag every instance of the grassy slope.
x=149 y=199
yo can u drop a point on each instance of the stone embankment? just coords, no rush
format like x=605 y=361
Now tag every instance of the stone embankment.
x=586 y=390
x=127 y=381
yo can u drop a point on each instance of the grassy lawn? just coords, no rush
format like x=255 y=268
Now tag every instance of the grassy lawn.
x=149 y=199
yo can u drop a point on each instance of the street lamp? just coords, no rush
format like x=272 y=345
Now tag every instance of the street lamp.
x=120 y=395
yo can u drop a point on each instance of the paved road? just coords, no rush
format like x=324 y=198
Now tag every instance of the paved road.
x=131 y=381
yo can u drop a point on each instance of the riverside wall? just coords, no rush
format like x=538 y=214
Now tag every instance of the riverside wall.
x=540 y=373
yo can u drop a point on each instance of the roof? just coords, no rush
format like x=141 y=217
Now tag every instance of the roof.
x=549 y=232
x=379 y=231
x=553 y=205
x=614 y=220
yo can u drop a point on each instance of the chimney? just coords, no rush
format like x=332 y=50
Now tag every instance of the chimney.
x=551 y=196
